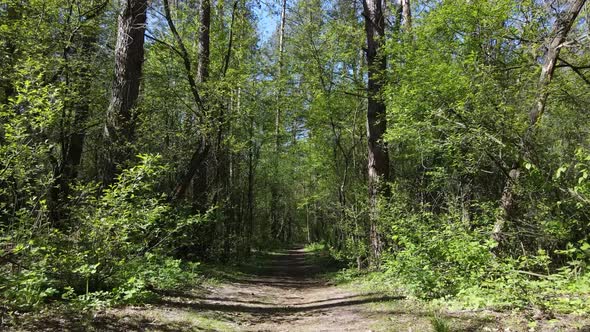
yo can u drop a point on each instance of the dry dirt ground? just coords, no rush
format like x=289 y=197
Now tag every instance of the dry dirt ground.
x=285 y=293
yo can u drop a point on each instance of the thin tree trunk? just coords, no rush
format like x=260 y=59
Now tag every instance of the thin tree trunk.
x=250 y=180
x=73 y=134
x=10 y=48
x=121 y=119
x=276 y=224
x=198 y=157
x=378 y=158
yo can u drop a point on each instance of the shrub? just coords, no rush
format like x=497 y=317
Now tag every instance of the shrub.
x=112 y=249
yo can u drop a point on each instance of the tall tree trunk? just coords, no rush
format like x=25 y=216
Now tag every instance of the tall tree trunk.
x=200 y=177
x=250 y=179
x=204 y=41
x=73 y=131
x=7 y=85
x=559 y=32
x=276 y=223
x=378 y=158
x=561 y=28
x=73 y=156
x=121 y=119
x=196 y=163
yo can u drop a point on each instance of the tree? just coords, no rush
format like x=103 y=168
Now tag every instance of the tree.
x=119 y=130
x=559 y=32
x=276 y=213
x=200 y=178
x=378 y=158
x=198 y=157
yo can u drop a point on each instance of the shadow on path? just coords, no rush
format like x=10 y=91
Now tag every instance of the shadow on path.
x=273 y=308
x=269 y=285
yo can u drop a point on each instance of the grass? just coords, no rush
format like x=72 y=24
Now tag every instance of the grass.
x=448 y=314
x=315 y=247
x=440 y=324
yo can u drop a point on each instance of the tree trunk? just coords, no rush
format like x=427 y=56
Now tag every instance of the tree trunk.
x=121 y=119
x=378 y=158
x=204 y=41
x=198 y=162
x=7 y=85
x=406 y=14
x=200 y=176
x=276 y=223
x=250 y=180
x=73 y=134
x=507 y=203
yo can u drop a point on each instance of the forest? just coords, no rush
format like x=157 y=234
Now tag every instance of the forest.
x=435 y=149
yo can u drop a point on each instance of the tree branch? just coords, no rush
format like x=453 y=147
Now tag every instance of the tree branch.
x=185 y=57
x=575 y=69
x=231 y=37
x=159 y=41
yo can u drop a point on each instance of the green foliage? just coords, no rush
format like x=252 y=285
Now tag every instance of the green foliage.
x=509 y=288
x=287 y=159
x=315 y=247
x=114 y=251
x=437 y=256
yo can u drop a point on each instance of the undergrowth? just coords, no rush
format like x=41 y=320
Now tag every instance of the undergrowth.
x=116 y=247
x=502 y=288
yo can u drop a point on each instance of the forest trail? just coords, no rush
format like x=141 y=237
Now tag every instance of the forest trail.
x=285 y=293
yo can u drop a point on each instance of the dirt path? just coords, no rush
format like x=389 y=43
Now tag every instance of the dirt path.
x=285 y=294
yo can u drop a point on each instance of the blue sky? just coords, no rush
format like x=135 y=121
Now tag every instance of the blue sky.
x=267 y=20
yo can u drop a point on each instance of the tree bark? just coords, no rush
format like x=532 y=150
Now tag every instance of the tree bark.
x=204 y=41
x=251 y=169
x=378 y=157
x=121 y=119
x=77 y=76
x=407 y=15
x=197 y=163
x=507 y=204
x=10 y=51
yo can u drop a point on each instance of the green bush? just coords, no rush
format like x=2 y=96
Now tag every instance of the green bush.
x=112 y=249
x=437 y=257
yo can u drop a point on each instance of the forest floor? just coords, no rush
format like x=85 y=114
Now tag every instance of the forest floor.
x=286 y=291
